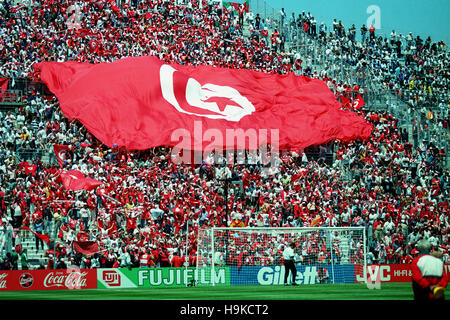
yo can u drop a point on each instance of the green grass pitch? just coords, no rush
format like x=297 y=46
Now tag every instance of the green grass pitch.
x=388 y=291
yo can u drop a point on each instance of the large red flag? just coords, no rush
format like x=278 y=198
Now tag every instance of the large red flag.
x=86 y=247
x=75 y=180
x=142 y=102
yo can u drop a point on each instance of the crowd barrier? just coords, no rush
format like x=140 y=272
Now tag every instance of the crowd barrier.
x=117 y=278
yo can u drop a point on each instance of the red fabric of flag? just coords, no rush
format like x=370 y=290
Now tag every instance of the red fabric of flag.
x=28 y=168
x=237 y=6
x=345 y=101
x=75 y=180
x=3 y=87
x=142 y=102
x=43 y=237
x=86 y=247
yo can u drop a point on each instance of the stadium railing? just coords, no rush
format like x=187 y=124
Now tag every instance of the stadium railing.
x=29 y=154
x=270 y=16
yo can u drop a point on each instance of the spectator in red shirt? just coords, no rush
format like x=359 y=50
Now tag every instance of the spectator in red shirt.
x=177 y=261
x=371 y=32
x=163 y=259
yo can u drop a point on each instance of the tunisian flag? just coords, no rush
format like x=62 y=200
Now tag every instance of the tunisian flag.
x=86 y=247
x=28 y=168
x=142 y=102
x=62 y=153
x=358 y=102
x=75 y=180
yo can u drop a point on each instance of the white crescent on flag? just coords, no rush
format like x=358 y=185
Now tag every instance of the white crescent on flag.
x=235 y=105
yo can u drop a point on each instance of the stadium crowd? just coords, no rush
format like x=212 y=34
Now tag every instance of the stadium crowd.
x=414 y=69
x=149 y=209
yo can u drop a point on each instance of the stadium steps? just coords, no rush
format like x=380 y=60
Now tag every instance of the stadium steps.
x=35 y=257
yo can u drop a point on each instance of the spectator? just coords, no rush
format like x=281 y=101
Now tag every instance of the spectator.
x=371 y=33
x=38 y=227
x=24 y=259
x=428 y=277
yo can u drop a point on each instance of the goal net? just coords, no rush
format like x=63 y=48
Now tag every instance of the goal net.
x=254 y=256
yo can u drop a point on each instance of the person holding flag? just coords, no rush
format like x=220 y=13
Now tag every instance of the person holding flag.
x=38 y=226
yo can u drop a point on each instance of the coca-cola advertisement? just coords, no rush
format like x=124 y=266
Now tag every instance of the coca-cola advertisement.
x=48 y=279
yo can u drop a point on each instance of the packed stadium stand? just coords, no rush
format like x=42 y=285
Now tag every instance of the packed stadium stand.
x=148 y=210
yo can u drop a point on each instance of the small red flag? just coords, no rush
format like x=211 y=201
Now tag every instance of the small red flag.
x=62 y=153
x=345 y=101
x=86 y=247
x=358 y=102
x=28 y=168
x=75 y=180
x=43 y=237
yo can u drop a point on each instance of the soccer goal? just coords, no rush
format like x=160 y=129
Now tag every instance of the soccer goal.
x=254 y=256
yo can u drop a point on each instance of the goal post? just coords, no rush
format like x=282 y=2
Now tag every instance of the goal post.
x=254 y=256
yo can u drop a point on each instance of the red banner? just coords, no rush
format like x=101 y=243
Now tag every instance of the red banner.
x=236 y=6
x=28 y=168
x=142 y=102
x=48 y=279
x=345 y=101
x=358 y=102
